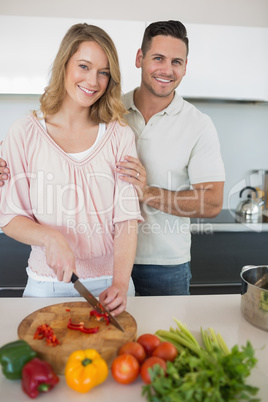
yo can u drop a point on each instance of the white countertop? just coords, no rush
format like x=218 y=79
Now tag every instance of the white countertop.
x=208 y=228
x=225 y=221
x=221 y=312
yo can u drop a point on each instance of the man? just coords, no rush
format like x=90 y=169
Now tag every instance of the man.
x=179 y=173
x=177 y=147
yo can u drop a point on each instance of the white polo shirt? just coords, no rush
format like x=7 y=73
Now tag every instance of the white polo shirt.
x=178 y=147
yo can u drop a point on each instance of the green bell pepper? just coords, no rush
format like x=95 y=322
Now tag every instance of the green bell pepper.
x=13 y=356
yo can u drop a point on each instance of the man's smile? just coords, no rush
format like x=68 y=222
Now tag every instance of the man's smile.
x=162 y=80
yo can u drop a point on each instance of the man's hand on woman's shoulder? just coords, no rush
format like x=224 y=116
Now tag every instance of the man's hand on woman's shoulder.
x=4 y=172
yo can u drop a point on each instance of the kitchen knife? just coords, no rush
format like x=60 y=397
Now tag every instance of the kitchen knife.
x=84 y=292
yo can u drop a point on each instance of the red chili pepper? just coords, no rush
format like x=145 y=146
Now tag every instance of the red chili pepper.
x=38 y=376
x=72 y=324
x=99 y=316
x=45 y=331
x=81 y=327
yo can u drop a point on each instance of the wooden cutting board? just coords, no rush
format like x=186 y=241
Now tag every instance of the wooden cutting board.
x=106 y=341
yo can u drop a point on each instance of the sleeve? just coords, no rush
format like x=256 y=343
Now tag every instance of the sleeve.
x=206 y=164
x=126 y=202
x=15 y=194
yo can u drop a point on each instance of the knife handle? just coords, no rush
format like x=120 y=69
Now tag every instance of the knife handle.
x=74 y=278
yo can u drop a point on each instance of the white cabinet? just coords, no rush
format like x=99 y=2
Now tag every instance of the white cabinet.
x=226 y=62
x=29 y=45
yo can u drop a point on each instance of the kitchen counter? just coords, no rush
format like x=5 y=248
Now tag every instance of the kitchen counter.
x=221 y=312
x=225 y=222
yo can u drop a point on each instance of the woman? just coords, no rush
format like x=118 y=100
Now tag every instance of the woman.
x=64 y=198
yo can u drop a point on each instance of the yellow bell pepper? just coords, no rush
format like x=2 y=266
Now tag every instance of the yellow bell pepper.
x=85 y=369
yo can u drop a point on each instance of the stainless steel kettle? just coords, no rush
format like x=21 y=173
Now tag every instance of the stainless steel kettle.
x=249 y=210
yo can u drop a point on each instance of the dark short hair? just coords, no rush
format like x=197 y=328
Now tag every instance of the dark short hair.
x=167 y=28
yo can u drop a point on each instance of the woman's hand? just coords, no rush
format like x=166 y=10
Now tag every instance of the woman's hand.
x=60 y=257
x=132 y=171
x=114 y=299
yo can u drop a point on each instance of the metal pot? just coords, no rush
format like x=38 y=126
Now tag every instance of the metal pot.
x=254 y=300
x=249 y=210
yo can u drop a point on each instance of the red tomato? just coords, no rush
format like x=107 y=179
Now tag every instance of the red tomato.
x=149 y=342
x=166 y=351
x=150 y=362
x=125 y=369
x=135 y=349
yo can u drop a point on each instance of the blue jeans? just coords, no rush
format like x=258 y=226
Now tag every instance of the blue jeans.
x=160 y=280
x=62 y=289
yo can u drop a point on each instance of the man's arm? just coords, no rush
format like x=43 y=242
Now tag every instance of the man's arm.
x=204 y=201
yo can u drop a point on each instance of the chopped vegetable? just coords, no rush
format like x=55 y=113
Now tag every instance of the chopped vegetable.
x=81 y=327
x=99 y=316
x=13 y=356
x=45 y=331
x=85 y=369
x=38 y=376
x=209 y=373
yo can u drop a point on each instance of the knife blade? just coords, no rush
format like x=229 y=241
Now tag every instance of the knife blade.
x=84 y=292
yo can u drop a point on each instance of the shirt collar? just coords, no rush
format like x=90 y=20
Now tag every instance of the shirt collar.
x=128 y=100
x=172 y=109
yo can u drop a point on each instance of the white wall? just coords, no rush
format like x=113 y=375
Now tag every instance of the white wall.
x=242 y=128
x=243 y=133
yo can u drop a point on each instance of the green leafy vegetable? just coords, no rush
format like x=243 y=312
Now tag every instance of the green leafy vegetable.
x=212 y=373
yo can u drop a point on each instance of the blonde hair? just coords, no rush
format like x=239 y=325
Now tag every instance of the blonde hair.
x=109 y=106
